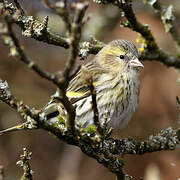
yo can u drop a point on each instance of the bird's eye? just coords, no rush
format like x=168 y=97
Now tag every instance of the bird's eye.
x=122 y=56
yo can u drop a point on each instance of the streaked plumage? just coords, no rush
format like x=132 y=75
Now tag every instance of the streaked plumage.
x=115 y=73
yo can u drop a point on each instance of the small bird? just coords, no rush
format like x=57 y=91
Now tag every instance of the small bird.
x=115 y=72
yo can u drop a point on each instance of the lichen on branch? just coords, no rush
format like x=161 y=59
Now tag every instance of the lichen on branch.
x=104 y=149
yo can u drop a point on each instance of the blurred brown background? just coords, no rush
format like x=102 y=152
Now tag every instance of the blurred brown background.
x=52 y=159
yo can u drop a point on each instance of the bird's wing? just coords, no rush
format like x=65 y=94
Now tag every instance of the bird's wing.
x=78 y=88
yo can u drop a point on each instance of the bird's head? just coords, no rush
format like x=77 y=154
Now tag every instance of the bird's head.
x=119 y=55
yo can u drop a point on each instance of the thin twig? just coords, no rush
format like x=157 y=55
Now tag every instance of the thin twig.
x=167 y=17
x=75 y=35
x=167 y=139
x=17 y=51
x=89 y=82
x=8 y=98
x=133 y=23
x=93 y=149
x=103 y=151
x=26 y=112
x=152 y=51
x=24 y=163
x=61 y=9
x=19 y=7
x=40 y=33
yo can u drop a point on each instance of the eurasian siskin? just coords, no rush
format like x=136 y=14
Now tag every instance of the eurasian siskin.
x=115 y=72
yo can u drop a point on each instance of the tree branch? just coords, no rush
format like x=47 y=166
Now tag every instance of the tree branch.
x=16 y=51
x=31 y=27
x=168 y=139
x=75 y=36
x=61 y=9
x=151 y=51
x=89 y=82
x=24 y=111
x=39 y=31
x=104 y=150
x=167 y=17
x=24 y=163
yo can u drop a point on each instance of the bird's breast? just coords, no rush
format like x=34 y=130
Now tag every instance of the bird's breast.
x=119 y=99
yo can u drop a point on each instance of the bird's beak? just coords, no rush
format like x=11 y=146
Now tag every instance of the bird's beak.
x=135 y=63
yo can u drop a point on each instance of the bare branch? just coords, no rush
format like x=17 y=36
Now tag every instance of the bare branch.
x=133 y=23
x=16 y=51
x=161 y=56
x=25 y=112
x=19 y=7
x=61 y=9
x=168 y=139
x=37 y=30
x=75 y=36
x=167 y=18
x=89 y=81
x=152 y=51
x=104 y=150
x=106 y=159
x=24 y=163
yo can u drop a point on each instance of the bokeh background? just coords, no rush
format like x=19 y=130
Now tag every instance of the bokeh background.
x=53 y=159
